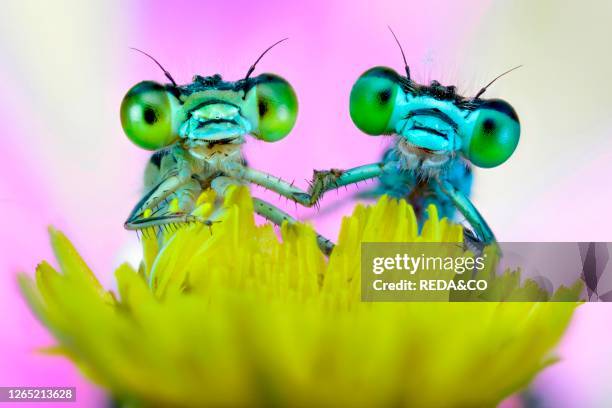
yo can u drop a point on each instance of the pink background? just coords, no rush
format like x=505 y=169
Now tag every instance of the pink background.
x=65 y=162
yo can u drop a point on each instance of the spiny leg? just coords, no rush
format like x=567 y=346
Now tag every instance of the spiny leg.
x=177 y=210
x=266 y=210
x=173 y=219
x=323 y=181
x=468 y=210
x=155 y=197
x=278 y=216
x=170 y=219
x=327 y=180
x=270 y=182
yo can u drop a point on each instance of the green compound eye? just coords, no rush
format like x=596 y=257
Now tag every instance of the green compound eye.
x=146 y=116
x=495 y=134
x=276 y=109
x=373 y=100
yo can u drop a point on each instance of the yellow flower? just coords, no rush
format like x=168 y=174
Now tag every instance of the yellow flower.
x=230 y=316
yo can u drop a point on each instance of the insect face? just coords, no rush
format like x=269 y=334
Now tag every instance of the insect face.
x=432 y=121
x=209 y=114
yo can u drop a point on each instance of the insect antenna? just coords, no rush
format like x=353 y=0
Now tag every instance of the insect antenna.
x=402 y=51
x=495 y=79
x=166 y=73
x=252 y=68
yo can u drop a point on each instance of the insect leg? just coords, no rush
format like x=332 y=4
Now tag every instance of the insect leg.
x=469 y=211
x=278 y=216
x=154 y=198
x=270 y=182
x=179 y=210
x=176 y=218
x=326 y=180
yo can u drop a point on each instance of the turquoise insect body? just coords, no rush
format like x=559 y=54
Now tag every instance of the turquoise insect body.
x=437 y=134
x=197 y=131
